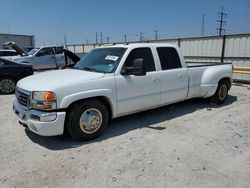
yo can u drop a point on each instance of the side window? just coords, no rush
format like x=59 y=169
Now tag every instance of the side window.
x=46 y=51
x=59 y=50
x=144 y=53
x=8 y=53
x=169 y=58
x=13 y=53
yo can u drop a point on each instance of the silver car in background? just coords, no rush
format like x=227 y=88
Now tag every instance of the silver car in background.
x=47 y=57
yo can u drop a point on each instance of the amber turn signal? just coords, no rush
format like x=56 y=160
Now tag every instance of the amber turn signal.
x=49 y=96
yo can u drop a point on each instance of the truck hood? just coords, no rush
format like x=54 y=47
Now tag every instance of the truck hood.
x=51 y=80
x=18 y=49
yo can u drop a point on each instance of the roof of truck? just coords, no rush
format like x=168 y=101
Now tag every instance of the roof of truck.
x=136 y=45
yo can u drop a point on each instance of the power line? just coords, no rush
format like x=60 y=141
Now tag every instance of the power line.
x=222 y=21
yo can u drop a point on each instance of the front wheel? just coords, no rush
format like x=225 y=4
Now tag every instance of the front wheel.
x=221 y=93
x=7 y=85
x=87 y=120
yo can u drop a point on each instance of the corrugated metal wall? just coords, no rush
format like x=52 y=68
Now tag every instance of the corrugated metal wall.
x=229 y=48
x=21 y=40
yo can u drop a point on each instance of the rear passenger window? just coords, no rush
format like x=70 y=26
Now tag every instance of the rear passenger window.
x=169 y=58
x=144 y=53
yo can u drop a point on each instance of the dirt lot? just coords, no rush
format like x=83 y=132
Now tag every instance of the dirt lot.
x=189 y=144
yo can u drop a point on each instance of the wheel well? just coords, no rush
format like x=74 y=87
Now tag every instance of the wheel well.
x=7 y=76
x=227 y=81
x=102 y=99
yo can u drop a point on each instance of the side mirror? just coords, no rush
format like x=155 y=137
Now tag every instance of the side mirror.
x=138 y=68
x=40 y=53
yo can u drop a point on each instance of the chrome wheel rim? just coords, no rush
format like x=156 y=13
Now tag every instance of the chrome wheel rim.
x=90 y=120
x=7 y=86
x=222 y=92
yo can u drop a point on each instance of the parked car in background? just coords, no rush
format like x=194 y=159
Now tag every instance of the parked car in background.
x=8 y=54
x=47 y=57
x=10 y=73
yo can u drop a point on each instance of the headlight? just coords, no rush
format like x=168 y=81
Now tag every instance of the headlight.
x=43 y=100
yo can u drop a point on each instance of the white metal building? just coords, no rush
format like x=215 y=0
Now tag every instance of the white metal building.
x=23 y=41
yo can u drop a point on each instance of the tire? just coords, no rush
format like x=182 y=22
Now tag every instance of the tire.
x=7 y=85
x=87 y=120
x=221 y=93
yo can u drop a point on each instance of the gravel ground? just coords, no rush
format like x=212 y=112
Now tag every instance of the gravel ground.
x=189 y=144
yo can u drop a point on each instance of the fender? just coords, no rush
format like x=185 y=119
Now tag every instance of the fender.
x=108 y=94
x=211 y=78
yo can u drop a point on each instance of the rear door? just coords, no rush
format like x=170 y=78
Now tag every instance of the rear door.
x=45 y=58
x=174 y=78
x=135 y=93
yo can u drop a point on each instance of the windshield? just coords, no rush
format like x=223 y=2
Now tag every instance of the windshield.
x=34 y=50
x=101 y=60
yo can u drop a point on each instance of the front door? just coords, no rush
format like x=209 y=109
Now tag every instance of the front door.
x=45 y=59
x=135 y=93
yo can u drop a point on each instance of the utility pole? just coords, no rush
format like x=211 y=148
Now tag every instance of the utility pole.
x=65 y=39
x=141 y=36
x=222 y=21
x=87 y=41
x=96 y=38
x=8 y=29
x=108 y=38
x=125 y=38
x=101 y=37
x=203 y=25
x=156 y=34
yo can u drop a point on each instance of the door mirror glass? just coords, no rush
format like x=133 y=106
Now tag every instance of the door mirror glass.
x=138 y=68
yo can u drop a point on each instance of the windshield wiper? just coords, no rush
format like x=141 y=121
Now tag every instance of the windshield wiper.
x=89 y=69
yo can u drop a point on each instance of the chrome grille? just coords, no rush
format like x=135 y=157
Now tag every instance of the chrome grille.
x=22 y=98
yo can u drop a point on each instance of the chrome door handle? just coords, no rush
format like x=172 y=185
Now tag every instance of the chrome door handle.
x=156 y=79
x=180 y=75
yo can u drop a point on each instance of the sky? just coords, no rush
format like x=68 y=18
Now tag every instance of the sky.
x=50 y=20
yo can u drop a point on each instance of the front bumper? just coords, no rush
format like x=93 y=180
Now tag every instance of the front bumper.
x=41 y=123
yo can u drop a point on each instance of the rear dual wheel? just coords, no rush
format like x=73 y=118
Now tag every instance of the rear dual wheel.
x=221 y=93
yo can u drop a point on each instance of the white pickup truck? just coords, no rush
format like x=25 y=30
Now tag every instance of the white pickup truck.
x=114 y=81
